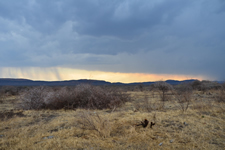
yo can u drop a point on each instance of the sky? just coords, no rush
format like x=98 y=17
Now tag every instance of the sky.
x=113 y=40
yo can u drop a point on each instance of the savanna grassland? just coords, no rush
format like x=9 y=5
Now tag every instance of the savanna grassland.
x=187 y=116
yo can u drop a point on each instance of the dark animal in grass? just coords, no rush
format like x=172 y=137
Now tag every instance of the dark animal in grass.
x=152 y=124
x=144 y=123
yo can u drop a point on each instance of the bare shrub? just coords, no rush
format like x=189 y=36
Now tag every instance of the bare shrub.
x=61 y=98
x=196 y=84
x=163 y=88
x=118 y=98
x=205 y=85
x=83 y=96
x=2 y=97
x=183 y=95
x=10 y=90
x=94 y=97
x=96 y=122
x=221 y=96
x=148 y=105
x=33 y=98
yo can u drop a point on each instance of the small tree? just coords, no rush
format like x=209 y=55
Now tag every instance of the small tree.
x=196 y=84
x=183 y=94
x=163 y=87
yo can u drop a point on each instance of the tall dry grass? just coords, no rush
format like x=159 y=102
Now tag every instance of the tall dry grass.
x=199 y=127
x=96 y=122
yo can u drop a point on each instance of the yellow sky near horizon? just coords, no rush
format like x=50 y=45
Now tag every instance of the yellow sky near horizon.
x=59 y=74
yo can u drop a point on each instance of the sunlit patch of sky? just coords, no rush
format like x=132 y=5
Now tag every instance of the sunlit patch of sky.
x=59 y=74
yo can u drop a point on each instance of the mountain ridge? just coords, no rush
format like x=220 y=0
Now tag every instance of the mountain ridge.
x=28 y=82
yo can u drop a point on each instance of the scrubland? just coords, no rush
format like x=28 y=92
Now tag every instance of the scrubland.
x=184 y=117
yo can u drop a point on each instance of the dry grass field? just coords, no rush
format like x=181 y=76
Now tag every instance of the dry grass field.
x=201 y=126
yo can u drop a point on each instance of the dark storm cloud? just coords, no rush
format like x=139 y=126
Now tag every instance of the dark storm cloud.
x=158 y=36
x=126 y=18
x=93 y=17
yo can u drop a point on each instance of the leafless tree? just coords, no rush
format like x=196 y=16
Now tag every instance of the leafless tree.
x=163 y=88
x=183 y=94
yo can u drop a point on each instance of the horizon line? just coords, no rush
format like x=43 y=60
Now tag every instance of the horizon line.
x=105 y=80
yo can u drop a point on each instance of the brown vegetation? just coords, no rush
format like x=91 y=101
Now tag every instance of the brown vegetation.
x=183 y=94
x=163 y=88
x=200 y=124
x=82 y=96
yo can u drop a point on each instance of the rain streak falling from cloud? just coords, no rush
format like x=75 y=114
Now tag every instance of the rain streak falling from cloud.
x=121 y=36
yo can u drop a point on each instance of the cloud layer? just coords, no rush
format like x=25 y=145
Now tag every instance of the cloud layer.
x=129 y=36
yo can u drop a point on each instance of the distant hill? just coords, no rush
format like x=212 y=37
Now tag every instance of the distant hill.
x=172 y=82
x=175 y=82
x=27 y=82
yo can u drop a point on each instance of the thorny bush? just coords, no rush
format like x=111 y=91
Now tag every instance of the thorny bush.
x=163 y=88
x=82 y=96
x=221 y=95
x=183 y=94
x=96 y=122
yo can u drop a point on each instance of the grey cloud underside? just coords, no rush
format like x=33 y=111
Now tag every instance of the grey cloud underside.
x=170 y=37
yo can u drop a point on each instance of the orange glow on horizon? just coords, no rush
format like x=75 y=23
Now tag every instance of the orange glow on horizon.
x=59 y=74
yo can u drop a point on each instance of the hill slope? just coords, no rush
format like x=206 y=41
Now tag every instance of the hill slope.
x=27 y=82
